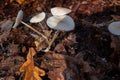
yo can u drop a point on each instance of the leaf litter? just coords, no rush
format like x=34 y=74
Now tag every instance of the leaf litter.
x=89 y=52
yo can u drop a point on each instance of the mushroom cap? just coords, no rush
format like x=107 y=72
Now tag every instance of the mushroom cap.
x=6 y=25
x=64 y=23
x=60 y=11
x=114 y=28
x=38 y=18
x=18 y=18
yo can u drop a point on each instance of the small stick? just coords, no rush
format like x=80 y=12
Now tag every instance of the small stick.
x=34 y=30
x=50 y=43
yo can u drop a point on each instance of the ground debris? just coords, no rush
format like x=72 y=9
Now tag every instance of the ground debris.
x=53 y=62
x=89 y=52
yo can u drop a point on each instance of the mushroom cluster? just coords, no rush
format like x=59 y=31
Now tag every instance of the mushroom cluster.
x=60 y=21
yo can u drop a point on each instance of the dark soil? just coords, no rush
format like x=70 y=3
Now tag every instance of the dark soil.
x=89 y=52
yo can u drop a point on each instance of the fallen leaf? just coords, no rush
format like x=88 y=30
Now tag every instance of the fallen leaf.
x=32 y=72
x=40 y=71
x=4 y=36
x=60 y=48
x=13 y=48
x=86 y=67
x=12 y=64
x=72 y=37
x=60 y=67
x=89 y=6
x=24 y=66
x=30 y=54
x=18 y=1
x=39 y=42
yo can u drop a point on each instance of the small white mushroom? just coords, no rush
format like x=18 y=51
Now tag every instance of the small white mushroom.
x=114 y=28
x=38 y=18
x=60 y=11
x=64 y=23
x=18 y=18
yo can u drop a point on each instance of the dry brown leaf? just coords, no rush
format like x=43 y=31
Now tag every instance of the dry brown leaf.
x=31 y=71
x=72 y=37
x=12 y=64
x=22 y=1
x=56 y=74
x=60 y=67
x=18 y=1
x=89 y=6
x=13 y=48
x=60 y=48
x=4 y=36
x=86 y=67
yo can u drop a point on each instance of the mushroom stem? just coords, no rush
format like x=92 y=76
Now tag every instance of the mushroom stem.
x=51 y=42
x=34 y=30
x=42 y=27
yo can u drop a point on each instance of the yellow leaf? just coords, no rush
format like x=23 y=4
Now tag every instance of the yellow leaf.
x=20 y=1
x=31 y=71
x=25 y=65
x=31 y=53
x=36 y=76
x=39 y=71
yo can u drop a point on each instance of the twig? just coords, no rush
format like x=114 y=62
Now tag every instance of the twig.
x=51 y=42
x=34 y=30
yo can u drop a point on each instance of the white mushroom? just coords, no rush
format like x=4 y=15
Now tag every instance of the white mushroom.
x=60 y=11
x=114 y=28
x=64 y=23
x=18 y=18
x=38 y=18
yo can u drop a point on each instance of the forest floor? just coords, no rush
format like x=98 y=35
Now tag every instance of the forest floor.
x=89 y=52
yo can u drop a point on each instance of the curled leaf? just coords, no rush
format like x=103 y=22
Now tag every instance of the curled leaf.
x=39 y=71
x=31 y=71
x=31 y=53
x=24 y=66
